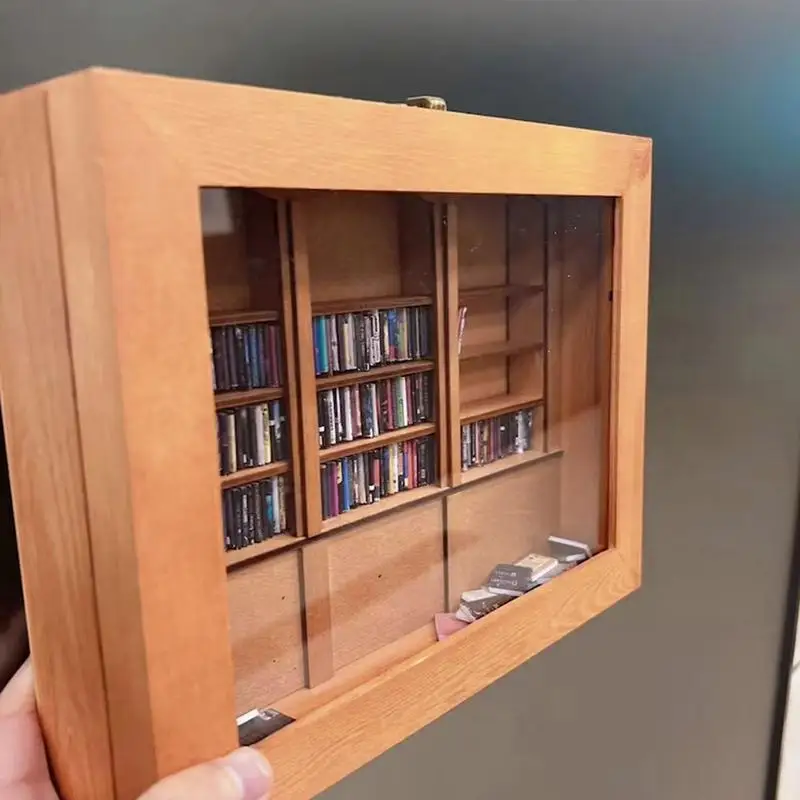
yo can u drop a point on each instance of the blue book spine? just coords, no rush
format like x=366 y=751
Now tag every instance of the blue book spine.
x=324 y=346
x=258 y=356
x=346 y=482
x=269 y=509
x=317 y=358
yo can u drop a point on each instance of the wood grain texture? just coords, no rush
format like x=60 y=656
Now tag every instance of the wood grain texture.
x=43 y=447
x=136 y=316
x=289 y=378
x=343 y=449
x=307 y=382
x=386 y=580
x=266 y=636
x=135 y=288
x=376 y=374
x=230 y=135
x=450 y=231
x=629 y=365
x=346 y=733
x=500 y=521
x=353 y=245
x=255 y=551
x=317 y=613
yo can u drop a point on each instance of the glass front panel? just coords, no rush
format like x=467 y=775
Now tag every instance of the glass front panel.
x=412 y=402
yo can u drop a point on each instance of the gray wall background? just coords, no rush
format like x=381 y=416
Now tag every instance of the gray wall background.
x=670 y=695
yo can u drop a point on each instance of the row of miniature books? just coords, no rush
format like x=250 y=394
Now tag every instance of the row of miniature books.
x=368 y=339
x=369 y=409
x=509 y=581
x=366 y=478
x=255 y=512
x=251 y=436
x=487 y=440
x=246 y=357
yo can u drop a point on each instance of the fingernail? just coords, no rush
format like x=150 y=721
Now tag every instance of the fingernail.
x=252 y=771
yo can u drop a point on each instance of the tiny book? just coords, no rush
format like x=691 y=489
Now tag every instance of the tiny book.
x=446 y=625
x=478 y=603
x=569 y=551
x=541 y=567
x=510 y=579
x=259 y=723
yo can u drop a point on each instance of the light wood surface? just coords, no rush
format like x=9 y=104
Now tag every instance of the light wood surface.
x=383 y=439
x=266 y=636
x=41 y=429
x=138 y=296
x=317 y=613
x=255 y=551
x=251 y=474
x=231 y=135
x=132 y=255
x=305 y=368
x=386 y=580
x=242 y=317
x=496 y=405
x=246 y=398
x=369 y=304
x=349 y=731
x=375 y=374
x=390 y=503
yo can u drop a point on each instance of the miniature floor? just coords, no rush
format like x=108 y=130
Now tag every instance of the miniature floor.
x=789 y=784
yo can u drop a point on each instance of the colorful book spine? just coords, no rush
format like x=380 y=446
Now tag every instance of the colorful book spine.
x=488 y=440
x=368 y=339
x=245 y=357
x=254 y=512
x=251 y=436
x=366 y=410
x=368 y=477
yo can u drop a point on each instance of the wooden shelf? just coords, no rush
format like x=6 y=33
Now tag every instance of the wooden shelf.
x=498 y=292
x=271 y=545
x=242 y=317
x=246 y=398
x=369 y=304
x=254 y=474
x=390 y=437
x=356 y=674
x=503 y=464
x=376 y=374
x=361 y=513
x=497 y=349
x=497 y=405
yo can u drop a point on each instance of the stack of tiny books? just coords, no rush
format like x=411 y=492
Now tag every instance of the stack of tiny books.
x=508 y=581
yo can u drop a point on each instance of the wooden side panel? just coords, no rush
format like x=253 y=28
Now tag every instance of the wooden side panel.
x=499 y=521
x=554 y=222
x=136 y=296
x=266 y=631
x=386 y=580
x=482 y=241
x=450 y=233
x=305 y=367
x=353 y=245
x=224 y=250
x=317 y=612
x=581 y=414
x=46 y=470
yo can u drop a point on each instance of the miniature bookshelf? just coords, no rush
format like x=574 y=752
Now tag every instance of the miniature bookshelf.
x=502 y=259
x=142 y=216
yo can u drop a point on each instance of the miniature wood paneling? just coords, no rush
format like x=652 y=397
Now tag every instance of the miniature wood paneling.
x=266 y=630
x=386 y=580
x=353 y=245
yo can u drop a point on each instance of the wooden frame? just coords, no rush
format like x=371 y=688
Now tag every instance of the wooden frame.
x=109 y=312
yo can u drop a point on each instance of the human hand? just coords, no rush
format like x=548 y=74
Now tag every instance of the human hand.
x=243 y=775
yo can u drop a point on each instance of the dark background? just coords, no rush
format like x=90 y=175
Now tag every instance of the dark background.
x=672 y=694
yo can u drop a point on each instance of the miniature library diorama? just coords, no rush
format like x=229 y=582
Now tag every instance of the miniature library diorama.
x=321 y=415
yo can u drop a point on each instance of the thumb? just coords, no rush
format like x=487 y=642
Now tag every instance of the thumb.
x=243 y=775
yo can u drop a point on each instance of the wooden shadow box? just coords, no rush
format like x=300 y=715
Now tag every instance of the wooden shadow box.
x=284 y=375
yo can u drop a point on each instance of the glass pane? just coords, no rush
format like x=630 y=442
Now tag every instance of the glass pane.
x=412 y=400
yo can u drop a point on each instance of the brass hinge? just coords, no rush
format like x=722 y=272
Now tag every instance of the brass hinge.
x=427 y=101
